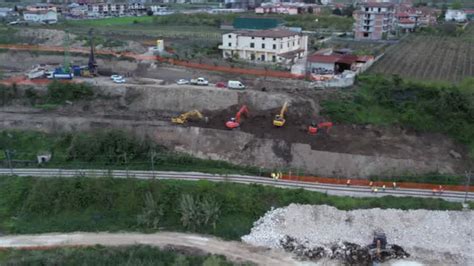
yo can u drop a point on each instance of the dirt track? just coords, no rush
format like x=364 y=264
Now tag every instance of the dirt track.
x=235 y=251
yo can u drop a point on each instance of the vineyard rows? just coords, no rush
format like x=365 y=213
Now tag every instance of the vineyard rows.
x=429 y=58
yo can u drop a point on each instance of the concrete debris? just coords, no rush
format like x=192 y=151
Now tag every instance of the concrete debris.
x=348 y=253
x=314 y=232
x=455 y=155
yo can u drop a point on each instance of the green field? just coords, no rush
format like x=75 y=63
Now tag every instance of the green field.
x=114 y=256
x=227 y=210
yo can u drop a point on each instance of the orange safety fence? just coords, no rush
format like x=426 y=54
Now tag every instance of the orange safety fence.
x=226 y=69
x=365 y=182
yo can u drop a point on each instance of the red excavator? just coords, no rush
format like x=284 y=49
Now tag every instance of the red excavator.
x=313 y=128
x=234 y=122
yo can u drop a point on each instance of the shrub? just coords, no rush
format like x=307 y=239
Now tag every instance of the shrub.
x=59 y=92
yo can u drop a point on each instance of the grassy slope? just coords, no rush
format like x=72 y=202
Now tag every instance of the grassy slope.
x=35 y=205
x=429 y=107
x=113 y=256
x=28 y=144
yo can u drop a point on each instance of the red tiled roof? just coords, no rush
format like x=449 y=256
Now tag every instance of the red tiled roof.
x=377 y=4
x=406 y=21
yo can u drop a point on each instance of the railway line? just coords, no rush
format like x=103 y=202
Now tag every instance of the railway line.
x=333 y=189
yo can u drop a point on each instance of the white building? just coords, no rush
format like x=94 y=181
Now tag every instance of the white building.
x=275 y=45
x=455 y=15
x=41 y=16
x=5 y=11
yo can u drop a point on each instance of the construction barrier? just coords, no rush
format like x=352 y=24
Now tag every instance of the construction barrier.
x=366 y=182
x=225 y=69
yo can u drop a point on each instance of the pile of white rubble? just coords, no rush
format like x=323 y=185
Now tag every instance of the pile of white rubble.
x=428 y=236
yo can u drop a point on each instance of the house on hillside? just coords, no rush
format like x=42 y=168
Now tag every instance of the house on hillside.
x=457 y=15
x=288 y=8
x=5 y=12
x=373 y=20
x=273 y=45
x=41 y=16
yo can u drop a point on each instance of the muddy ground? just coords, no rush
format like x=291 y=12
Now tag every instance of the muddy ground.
x=127 y=104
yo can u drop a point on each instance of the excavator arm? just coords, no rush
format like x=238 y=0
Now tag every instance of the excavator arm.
x=183 y=118
x=279 y=119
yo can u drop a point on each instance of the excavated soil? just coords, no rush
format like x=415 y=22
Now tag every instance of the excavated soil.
x=395 y=142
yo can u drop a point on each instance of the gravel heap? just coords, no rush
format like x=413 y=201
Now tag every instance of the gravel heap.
x=443 y=236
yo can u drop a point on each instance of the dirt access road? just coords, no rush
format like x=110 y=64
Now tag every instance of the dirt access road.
x=233 y=250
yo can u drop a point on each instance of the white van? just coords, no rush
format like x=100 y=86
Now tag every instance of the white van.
x=235 y=85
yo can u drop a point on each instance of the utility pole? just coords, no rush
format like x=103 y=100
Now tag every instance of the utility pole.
x=153 y=163
x=9 y=159
x=468 y=183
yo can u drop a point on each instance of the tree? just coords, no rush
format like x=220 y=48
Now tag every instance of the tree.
x=348 y=11
x=209 y=210
x=149 y=13
x=151 y=213
x=337 y=12
x=456 y=5
x=189 y=210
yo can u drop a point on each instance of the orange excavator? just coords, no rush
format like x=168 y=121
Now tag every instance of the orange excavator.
x=313 y=128
x=234 y=122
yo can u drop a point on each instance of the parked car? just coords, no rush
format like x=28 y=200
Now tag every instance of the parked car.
x=221 y=85
x=235 y=84
x=200 y=81
x=182 y=82
x=120 y=80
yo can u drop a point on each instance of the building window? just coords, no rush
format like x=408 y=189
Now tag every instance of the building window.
x=263 y=46
x=281 y=46
x=366 y=34
x=274 y=58
x=253 y=38
x=293 y=43
x=230 y=44
x=230 y=36
x=252 y=45
x=263 y=38
x=274 y=39
x=288 y=44
x=274 y=47
x=252 y=57
x=263 y=57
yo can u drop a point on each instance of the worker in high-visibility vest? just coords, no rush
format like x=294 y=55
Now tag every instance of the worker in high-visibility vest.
x=383 y=188
x=371 y=184
x=394 y=185
x=348 y=183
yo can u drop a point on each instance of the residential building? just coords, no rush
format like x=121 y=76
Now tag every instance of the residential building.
x=41 y=7
x=457 y=15
x=373 y=21
x=106 y=9
x=41 y=16
x=288 y=8
x=274 y=45
x=5 y=12
x=245 y=4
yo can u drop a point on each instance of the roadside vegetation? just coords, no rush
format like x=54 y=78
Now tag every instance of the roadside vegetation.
x=426 y=107
x=139 y=255
x=226 y=210
x=57 y=93
x=107 y=149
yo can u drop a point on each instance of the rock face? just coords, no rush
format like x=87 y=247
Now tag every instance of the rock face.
x=315 y=231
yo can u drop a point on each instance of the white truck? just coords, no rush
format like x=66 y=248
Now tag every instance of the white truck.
x=199 y=81
x=235 y=85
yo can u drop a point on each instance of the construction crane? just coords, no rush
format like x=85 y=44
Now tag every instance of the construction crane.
x=66 y=63
x=234 y=122
x=279 y=119
x=92 y=65
x=183 y=118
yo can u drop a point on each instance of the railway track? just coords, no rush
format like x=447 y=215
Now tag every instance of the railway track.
x=356 y=191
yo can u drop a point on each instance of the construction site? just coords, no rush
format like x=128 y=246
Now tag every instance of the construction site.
x=275 y=124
